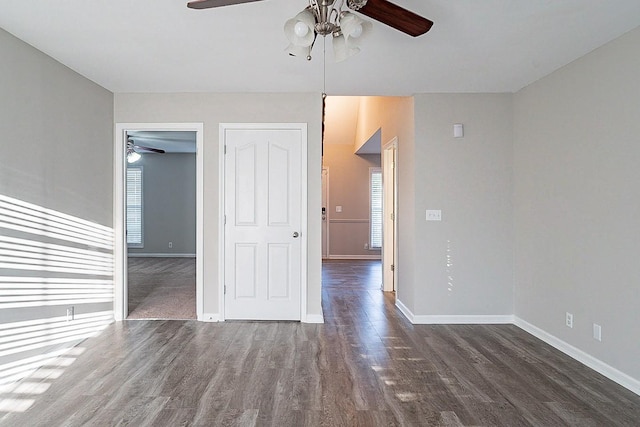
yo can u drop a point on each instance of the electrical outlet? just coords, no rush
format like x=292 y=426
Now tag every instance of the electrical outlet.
x=434 y=215
x=597 y=332
x=70 y=314
x=170 y=245
x=569 y=320
x=366 y=246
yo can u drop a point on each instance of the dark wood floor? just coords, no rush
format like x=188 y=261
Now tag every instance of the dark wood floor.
x=366 y=366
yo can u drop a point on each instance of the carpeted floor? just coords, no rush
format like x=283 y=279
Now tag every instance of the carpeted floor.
x=162 y=288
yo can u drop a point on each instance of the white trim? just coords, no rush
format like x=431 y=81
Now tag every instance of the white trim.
x=455 y=319
x=209 y=317
x=120 y=249
x=357 y=257
x=460 y=319
x=392 y=146
x=160 y=255
x=304 y=210
x=582 y=357
x=349 y=221
x=575 y=353
x=404 y=310
x=313 y=318
x=327 y=220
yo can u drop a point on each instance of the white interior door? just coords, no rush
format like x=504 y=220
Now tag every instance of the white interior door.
x=263 y=208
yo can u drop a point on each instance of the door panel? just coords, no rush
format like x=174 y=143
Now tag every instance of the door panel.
x=263 y=195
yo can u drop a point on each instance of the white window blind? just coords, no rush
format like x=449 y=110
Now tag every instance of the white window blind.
x=375 y=197
x=134 y=207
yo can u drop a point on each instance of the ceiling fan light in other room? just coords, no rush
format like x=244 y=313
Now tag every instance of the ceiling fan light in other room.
x=300 y=29
x=132 y=156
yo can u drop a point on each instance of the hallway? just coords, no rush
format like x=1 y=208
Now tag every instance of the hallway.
x=365 y=366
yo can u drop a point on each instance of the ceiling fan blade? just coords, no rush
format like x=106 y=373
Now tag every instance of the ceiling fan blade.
x=207 y=4
x=397 y=17
x=154 y=150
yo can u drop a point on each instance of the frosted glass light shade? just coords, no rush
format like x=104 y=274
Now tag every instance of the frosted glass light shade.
x=354 y=29
x=301 y=51
x=295 y=27
x=341 y=50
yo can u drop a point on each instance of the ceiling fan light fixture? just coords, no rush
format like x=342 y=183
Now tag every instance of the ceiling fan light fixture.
x=299 y=51
x=341 y=50
x=300 y=30
x=354 y=29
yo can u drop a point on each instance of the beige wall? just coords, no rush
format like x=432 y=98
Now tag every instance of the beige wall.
x=395 y=117
x=213 y=109
x=577 y=210
x=349 y=188
x=463 y=264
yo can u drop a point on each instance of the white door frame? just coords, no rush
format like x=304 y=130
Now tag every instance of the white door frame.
x=325 y=198
x=303 y=201
x=390 y=249
x=120 y=303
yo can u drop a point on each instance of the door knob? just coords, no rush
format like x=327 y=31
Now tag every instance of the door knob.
x=296 y=234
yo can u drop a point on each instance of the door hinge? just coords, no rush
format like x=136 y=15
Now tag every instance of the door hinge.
x=225 y=289
x=393 y=267
x=225 y=220
x=393 y=216
x=225 y=149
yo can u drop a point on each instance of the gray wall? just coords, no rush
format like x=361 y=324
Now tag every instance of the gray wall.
x=577 y=210
x=213 y=109
x=169 y=204
x=57 y=150
x=463 y=264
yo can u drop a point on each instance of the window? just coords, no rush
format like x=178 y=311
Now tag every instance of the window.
x=134 y=207
x=375 y=203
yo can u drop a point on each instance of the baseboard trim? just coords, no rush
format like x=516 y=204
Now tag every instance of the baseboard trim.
x=479 y=319
x=404 y=310
x=356 y=257
x=209 y=317
x=596 y=364
x=313 y=318
x=159 y=255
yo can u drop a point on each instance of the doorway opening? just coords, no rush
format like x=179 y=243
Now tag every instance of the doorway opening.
x=158 y=210
x=359 y=215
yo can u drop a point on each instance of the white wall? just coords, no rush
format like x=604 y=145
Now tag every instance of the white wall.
x=463 y=265
x=577 y=210
x=213 y=109
x=55 y=171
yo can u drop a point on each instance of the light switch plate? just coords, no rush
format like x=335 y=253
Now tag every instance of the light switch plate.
x=338 y=208
x=434 y=215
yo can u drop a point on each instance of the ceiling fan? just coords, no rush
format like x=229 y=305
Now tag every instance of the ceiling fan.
x=133 y=149
x=324 y=17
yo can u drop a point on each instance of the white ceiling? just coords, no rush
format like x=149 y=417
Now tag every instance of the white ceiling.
x=162 y=46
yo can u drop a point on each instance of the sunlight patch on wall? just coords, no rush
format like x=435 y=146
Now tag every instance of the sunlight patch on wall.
x=56 y=290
